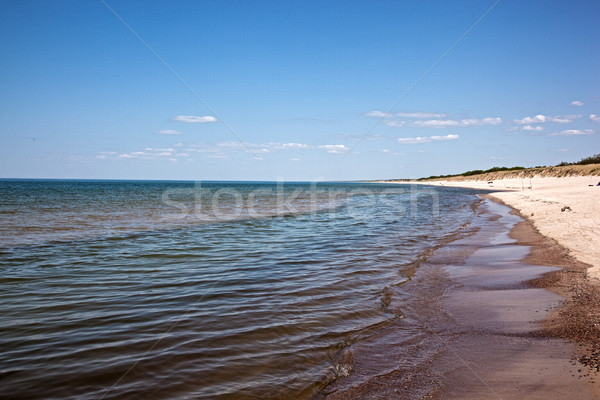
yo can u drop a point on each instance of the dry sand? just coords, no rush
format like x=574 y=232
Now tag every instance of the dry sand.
x=543 y=199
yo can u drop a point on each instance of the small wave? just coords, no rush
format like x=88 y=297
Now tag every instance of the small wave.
x=251 y=307
x=386 y=296
x=342 y=362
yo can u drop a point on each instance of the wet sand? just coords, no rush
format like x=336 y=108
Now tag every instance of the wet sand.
x=565 y=209
x=503 y=321
x=508 y=350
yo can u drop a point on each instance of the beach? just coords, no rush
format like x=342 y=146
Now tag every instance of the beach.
x=498 y=311
x=562 y=229
x=562 y=208
x=531 y=314
x=390 y=291
x=300 y=200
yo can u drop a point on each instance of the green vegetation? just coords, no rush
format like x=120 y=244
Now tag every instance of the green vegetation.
x=474 y=172
x=595 y=159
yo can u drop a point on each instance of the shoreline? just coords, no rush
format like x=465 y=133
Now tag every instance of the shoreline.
x=561 y=208
x=524 y=337
x=578 y=319
x=511 y=322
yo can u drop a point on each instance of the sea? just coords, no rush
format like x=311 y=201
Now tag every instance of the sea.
x=213 y=290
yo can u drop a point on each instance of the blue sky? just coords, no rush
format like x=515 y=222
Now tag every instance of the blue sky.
x=334 y=90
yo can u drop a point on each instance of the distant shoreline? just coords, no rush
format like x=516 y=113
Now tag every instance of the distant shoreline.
x=539 y=172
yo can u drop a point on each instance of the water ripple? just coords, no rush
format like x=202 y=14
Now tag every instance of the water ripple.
x=126 y=305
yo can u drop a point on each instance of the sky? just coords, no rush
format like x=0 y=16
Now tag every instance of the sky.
x=311 y=90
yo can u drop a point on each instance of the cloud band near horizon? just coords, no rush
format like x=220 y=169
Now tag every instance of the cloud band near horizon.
x=194 y=119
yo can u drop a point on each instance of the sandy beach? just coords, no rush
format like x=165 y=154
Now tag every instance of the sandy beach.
x=564 y=209
x=522 y=342
x=497 y=309
x=518 y=338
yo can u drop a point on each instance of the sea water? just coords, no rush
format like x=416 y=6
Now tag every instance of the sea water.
x=205 y=290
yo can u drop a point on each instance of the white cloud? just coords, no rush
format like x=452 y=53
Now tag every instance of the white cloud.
x=483 y=121
x=362 y=137
x=393 y=153
x=444 y=123
x=149 y=153
x=595 y=118
x=447 y=137
x=414 y=140
x=420 y=115
x=220 y=150
x=194 y=119
x=577 y=103
x=238 y=145
x=278 y=146
x=262 y=148
x=218 y=156
x=168 y=132
x=430 y=120
x=564 y=119
x=538 y=119
x=224 y=148
x=380 y=114
x=573 y=132
x=334 y=148
x=426 y=139
x=532 y=128
x=396 y=123
x=436 y=123
x=106 y=154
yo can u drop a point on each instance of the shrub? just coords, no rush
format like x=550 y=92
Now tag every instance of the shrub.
x=595 y=159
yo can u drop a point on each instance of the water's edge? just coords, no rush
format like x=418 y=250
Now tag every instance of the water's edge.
x=273 y=305
x=484 y=326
